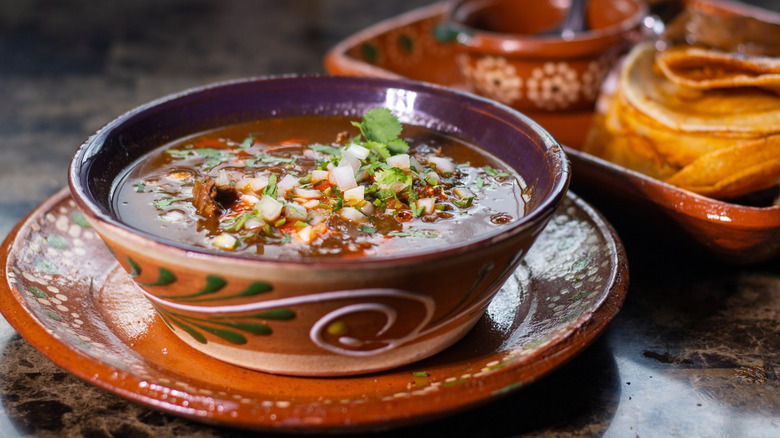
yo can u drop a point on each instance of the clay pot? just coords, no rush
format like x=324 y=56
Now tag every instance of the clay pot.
x=506 y=50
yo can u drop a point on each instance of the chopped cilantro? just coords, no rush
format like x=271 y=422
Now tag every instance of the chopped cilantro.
x=416 y=211
x=247 y=143
x=381 y=129
x=493 y=172
x=270 y=189
x=367 y=229
x=237 y=222
x=414 y=233
x=139 y=187
x=464 y=202
x=479 y=183
x=330 y=150
x=286 y=238
x=180 y=153
x=268 y=159
x=160 y=204
x=393 y=175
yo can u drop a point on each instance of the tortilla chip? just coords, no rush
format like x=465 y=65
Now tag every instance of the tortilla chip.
x=722 y=142
x=705 y=69
x=735 y=171
x=744 y=110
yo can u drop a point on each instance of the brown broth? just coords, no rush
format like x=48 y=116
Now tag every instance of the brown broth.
x=155 y=193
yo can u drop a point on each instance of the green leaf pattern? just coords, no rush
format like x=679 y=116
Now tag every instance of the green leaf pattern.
x=227 y=328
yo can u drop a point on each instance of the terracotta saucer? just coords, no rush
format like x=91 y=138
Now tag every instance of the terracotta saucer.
x=65 y=294
x=410 y=46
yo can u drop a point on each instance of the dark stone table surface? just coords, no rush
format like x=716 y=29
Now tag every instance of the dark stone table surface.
x=695 y=350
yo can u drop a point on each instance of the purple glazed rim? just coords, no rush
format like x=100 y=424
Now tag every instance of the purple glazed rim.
x=94 y=168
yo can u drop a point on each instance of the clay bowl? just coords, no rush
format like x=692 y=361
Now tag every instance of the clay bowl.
x=506 y=51
x=396 y=310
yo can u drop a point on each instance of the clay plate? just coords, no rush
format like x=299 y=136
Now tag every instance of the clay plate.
x=407 y=46
x=66 y=295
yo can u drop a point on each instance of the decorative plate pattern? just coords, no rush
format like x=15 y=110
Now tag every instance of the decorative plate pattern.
x=65 y=293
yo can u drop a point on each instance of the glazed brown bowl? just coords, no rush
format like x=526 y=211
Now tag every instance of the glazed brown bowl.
x=508 y=49
x=390 y=310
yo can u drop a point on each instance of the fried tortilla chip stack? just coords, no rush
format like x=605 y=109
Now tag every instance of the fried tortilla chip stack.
x=701 y=119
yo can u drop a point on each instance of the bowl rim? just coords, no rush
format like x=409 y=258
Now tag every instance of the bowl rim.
x=94 y=212
x=476 y=39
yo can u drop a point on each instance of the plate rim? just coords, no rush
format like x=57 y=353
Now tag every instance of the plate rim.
x=588 y=327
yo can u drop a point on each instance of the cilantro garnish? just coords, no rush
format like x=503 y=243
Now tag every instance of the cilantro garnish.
x=393 y=175
x=160 y=204
x=367 y=229
x=139 y=187
x=270 y=189
x=493 y=172
x=180 y=153
x=382 y=129
x=236 y=223
x=464 y=202
x=248 y=141
x=415 y=233
x=330 y=150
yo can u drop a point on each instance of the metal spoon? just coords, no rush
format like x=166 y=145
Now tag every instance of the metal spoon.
x=573 y=22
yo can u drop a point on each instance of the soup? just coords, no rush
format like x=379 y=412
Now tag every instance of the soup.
x=319 y=186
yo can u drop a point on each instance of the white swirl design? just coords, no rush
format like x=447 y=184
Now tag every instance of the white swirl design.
x=317 y=329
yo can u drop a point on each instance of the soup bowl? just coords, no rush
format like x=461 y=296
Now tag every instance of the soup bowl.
x=329 y=316
x=512 y=51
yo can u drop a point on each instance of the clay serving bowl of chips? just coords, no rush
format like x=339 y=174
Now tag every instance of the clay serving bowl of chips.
x=250 y=303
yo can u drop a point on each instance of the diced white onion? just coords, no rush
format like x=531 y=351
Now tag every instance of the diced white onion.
x=427 y=204
x=306 y=234
x=222 y=179
x=367 y=208
x=311 y=204
x=462 y=192
x=307 y=193
x=179 y=175
x=270 y=208
x=357 y=151
x=349 y=160
x=253 y=224
x=259 y=183
x=249 y=199
x=433 y=175
x=243 y=184
x=361 y=174
x=315 y=218
x=442 y=165
x=173 y=216
x=343 y=177
x=287 y=183
x=295 y=212
x=398 y=187
x=400 y=161
x=416 y=165
x=355 y=194
x=353 y=215
x=319 y=175
x=225 y=241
